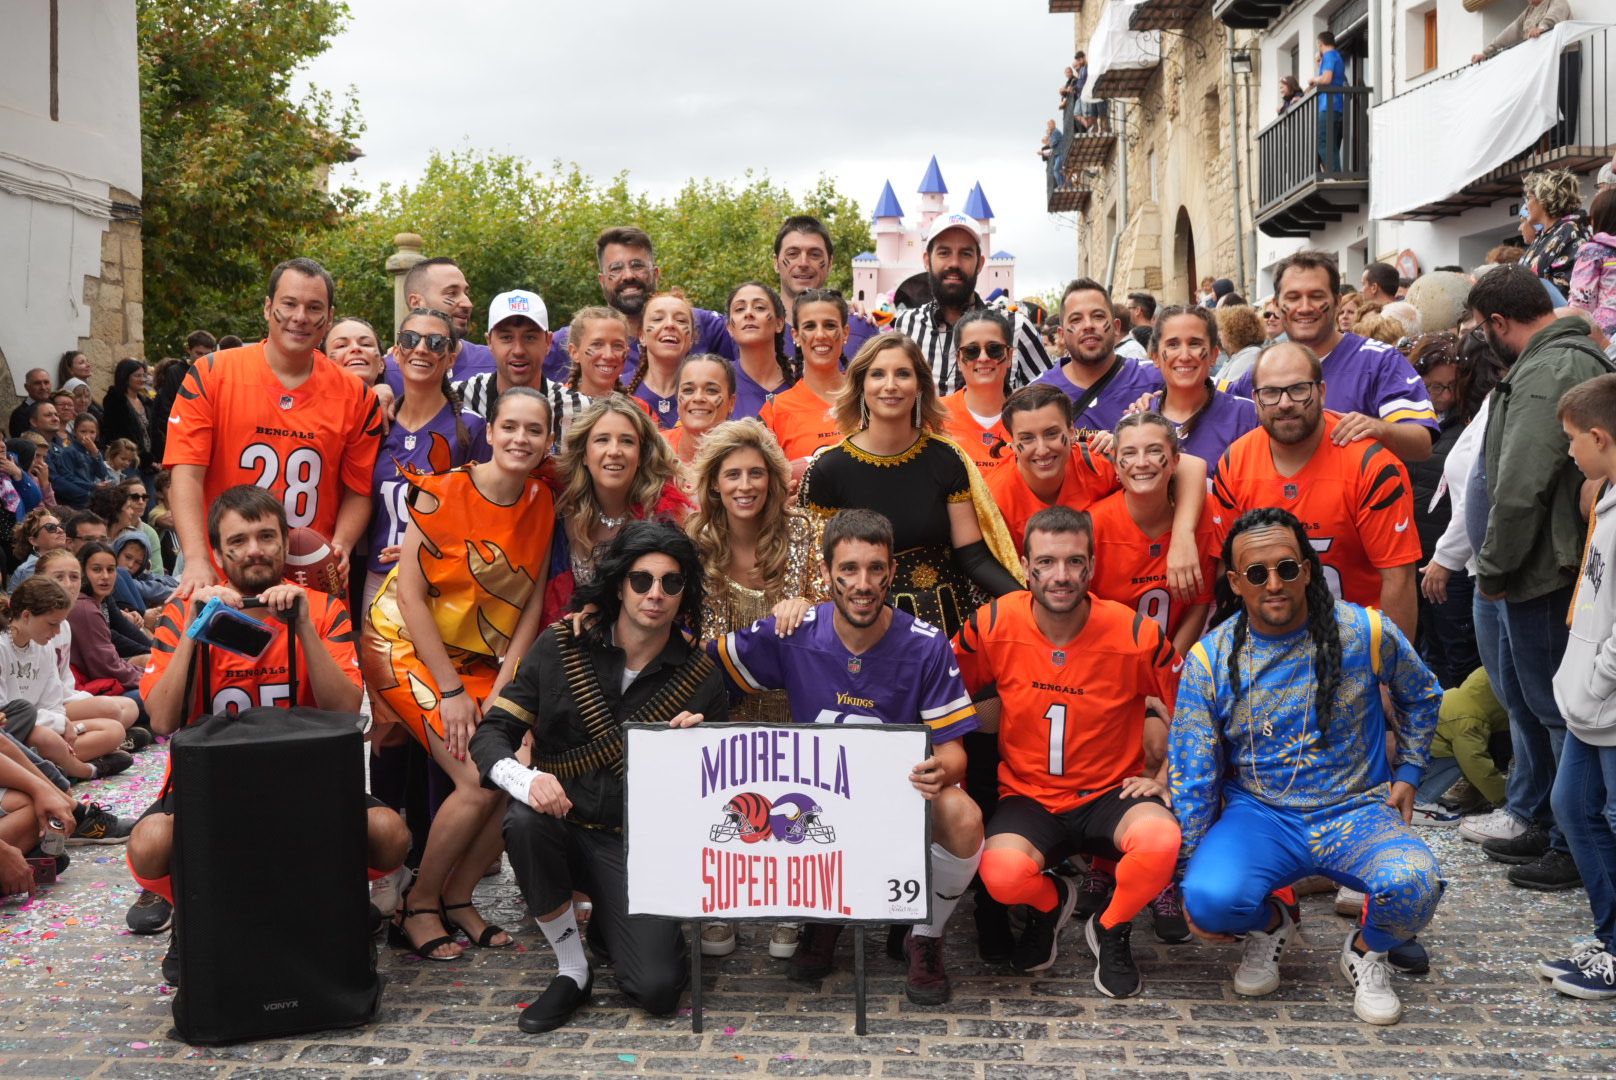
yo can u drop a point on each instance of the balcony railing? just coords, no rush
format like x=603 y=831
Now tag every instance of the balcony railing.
x=1080 y=149
x=1582 y=140
x=1165 y=14
x=1312 y=165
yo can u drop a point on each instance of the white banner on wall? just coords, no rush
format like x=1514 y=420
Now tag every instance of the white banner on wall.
x=797 y=821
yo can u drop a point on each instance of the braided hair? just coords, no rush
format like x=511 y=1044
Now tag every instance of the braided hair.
x=1321 y=624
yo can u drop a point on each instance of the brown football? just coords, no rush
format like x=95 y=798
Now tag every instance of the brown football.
x=311 y=563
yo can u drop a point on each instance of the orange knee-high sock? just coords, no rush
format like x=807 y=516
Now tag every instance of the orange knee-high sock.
x=1286 y=895
x=1012 y=877
x=162 y=886
x=1149 y=854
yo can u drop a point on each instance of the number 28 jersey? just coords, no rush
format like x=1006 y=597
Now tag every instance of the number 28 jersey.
x=1072 y=717
x=233 y=417
x=908 y=677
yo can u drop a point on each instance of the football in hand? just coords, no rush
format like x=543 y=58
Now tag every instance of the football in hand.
x=311 y=562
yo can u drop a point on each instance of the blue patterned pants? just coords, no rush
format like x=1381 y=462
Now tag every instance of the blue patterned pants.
x=1253 y=849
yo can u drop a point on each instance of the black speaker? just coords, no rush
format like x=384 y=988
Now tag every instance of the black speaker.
x=272 y=906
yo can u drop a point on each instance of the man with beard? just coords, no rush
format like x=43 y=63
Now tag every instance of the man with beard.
x=1527 y=564
x=802 y=257
x=1355 y=499
x=899 y=670
x=1101 y=384
x=247 y=534
x=953 y=258
x=438 y=284
x=1072 y=672
x=1370 y=383
x=278 y=414
x=628 y=277
x=519 y=337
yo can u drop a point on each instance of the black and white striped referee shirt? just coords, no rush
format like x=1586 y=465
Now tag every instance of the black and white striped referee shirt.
x=478 y=394
x=936 y=341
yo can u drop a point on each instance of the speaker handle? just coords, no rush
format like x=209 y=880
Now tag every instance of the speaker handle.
x=291 y=650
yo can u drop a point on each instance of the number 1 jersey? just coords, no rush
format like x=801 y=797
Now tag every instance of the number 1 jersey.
x=233 y=417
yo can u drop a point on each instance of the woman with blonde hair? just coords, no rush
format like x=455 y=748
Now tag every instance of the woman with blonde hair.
x=1554 y=210
x=758 y=560
x=614 y=467
x=950 y=541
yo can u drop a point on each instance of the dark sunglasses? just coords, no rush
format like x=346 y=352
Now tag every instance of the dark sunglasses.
x=640 y=581
x=435 y=343
x=995 y=350
x=49 y=526
x=135 y=496
x=1287 y=569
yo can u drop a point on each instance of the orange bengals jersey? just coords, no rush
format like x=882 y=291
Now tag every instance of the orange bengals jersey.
x=801 y=420
x=987 y=447
x=240 y=682
x=234 y=418
x=1089 y=478
x=1355 y=502
x=1072 y=717
x=1131 y=568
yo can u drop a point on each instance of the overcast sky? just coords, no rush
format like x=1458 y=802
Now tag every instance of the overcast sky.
x=863 y=91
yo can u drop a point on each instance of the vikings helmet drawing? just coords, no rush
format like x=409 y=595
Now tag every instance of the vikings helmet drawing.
x=747 y=816
x=795 y=818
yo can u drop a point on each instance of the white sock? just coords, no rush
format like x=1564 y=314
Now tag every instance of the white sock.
x=568 y=942
x=950 y=877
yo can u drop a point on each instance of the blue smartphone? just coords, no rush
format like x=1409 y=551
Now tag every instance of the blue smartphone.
x=220 y=625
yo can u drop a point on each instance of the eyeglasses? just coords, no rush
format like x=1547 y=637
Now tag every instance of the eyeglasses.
x=640 y=581
x=1287 y=569
x=996 y=351
x=50 y=527
x=634 y=266
x=435 y=343
x=1301 y=393
x=1441 y=387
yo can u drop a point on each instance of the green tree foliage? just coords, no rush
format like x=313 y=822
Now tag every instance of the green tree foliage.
x=511 y=225
x=234 y=170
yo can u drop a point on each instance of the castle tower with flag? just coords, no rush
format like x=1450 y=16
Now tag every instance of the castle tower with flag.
x=895 y=264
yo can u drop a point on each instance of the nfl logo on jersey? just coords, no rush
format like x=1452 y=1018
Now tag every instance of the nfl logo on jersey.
x=855 y=664
x=1290 y=491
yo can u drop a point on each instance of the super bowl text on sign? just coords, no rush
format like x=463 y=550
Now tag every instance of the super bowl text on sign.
x=800 y=821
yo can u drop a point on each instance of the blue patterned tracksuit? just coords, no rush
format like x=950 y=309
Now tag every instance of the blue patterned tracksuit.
x=1263 y=800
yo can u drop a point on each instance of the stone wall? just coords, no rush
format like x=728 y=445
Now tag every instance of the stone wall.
x=116 y=298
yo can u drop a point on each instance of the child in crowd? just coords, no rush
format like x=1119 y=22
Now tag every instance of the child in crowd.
x=123 y=460
x=1584 y=796
x=133 y=551
x=1470 y=719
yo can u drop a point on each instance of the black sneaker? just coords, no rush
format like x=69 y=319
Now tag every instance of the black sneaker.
x=1115 y=974
x=555 y=1006
x=171 y=961
x=1409 y=958
x=1167 y=916
x=994 y=942
x=1556 y=870
x=110 y=764
x=928 y=982
x=149 y=914
x=816 y=952
x=1529 y=846
x=1040 y=939
x=93 y=825
x=139 y=738
x=1094 y=893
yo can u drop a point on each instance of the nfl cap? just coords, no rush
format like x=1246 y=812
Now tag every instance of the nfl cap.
x=518 y=302
x=943 y=222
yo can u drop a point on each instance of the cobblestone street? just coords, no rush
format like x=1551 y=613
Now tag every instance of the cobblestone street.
x=79 y=996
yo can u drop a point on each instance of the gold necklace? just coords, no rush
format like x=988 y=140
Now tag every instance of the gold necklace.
x=1268 y=723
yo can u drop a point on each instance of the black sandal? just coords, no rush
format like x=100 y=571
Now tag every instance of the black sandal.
x=490 y=931
x=399 y=938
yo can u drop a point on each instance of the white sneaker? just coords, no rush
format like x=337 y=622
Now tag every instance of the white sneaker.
x=1349 y=903
x=1258 y=973
x=718 y=939
x=386 y=891
x=1498 y=825
x=1433 y=814
x=1373 y=998
x=783 y=942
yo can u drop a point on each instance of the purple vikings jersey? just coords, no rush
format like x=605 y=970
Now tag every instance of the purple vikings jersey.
x=1133 y=380
x=750 y=397
x=402 y=446
x=1224 y=420
x=908 y=677
x=1369 y=377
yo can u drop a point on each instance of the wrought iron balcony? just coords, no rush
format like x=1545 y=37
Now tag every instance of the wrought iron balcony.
x=1304 y=178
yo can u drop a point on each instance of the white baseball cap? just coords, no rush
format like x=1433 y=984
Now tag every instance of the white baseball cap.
x=518 y=302
x=943 y=222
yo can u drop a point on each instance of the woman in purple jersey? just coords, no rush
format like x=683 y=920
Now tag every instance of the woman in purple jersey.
x=1183 y=344
x=668 y=332
x=757 y=322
